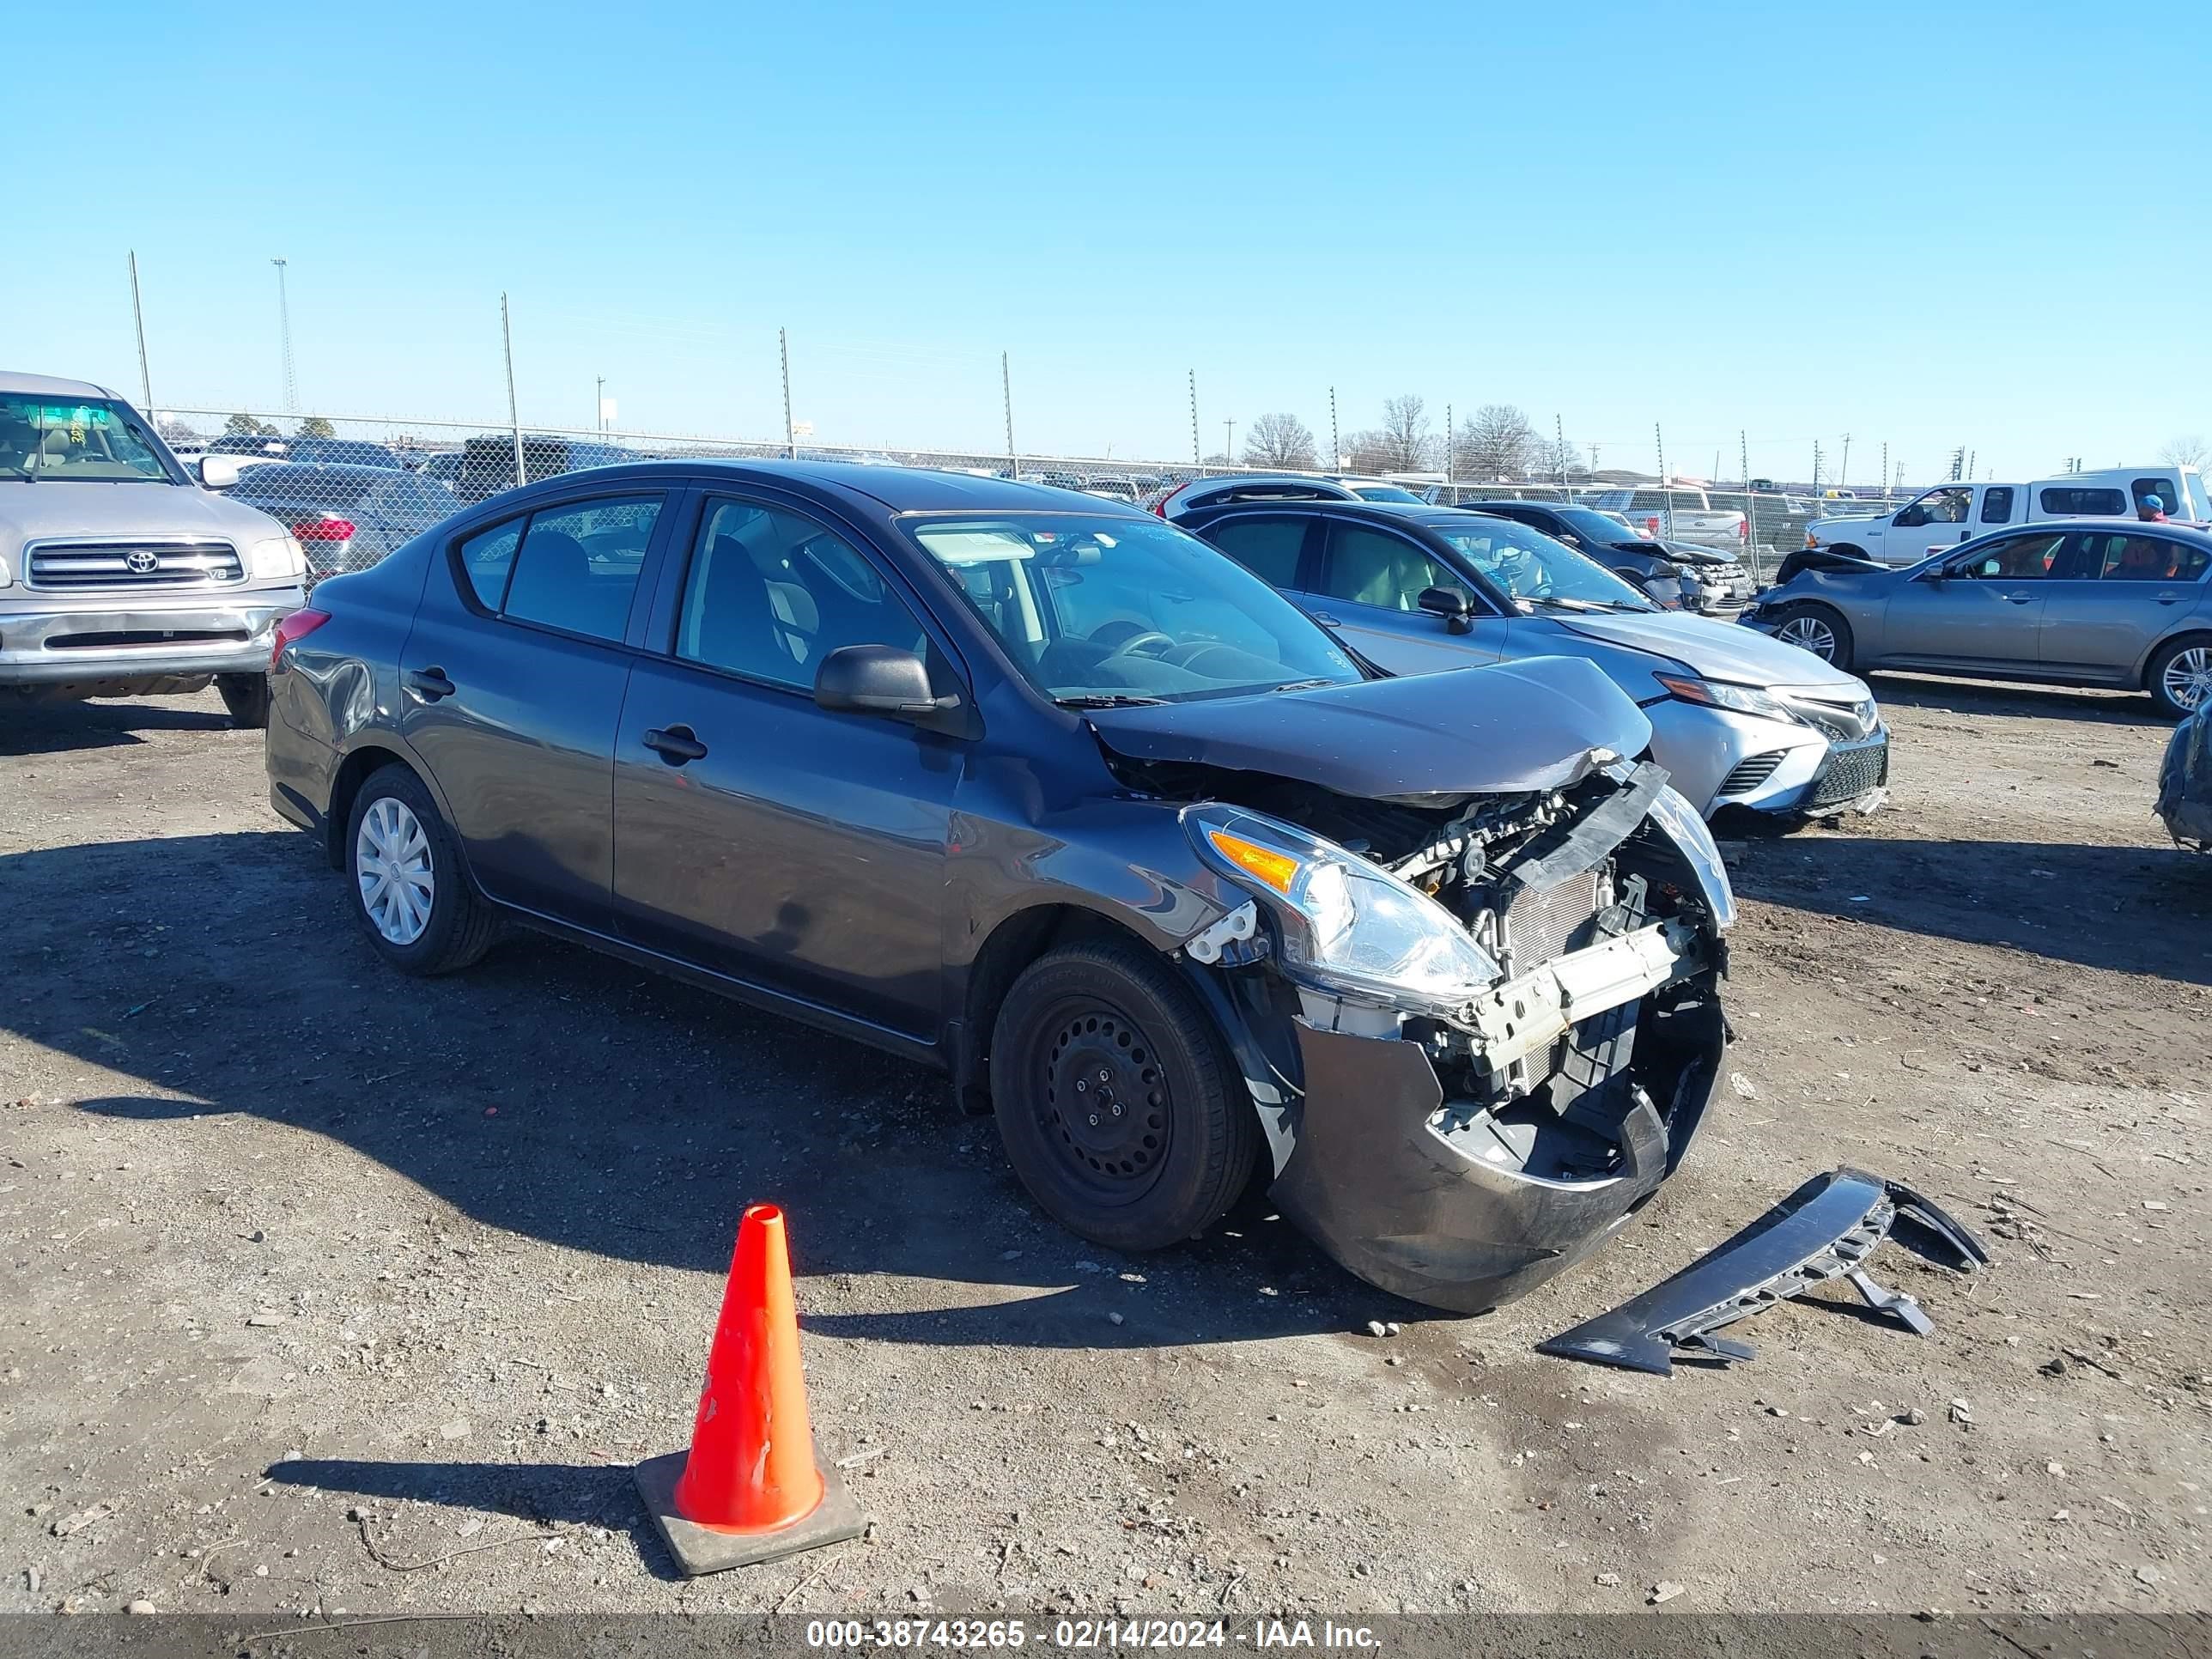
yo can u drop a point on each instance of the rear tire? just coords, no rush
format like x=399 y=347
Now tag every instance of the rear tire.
x=2179 y=678
x=1118 y=1108
x=1818 y=629
x=246 y=697
x=407 y=888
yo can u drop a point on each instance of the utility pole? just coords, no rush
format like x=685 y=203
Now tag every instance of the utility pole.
x=790 y=432
x=1559 y=447
x=1666 y=495
x=513 y=415
x=1194 y=459
x=1336 y=448
x=600 y=403
x=138 y=316
x=1006 y=392
x=1816 y=468
x=1229 y=440
x=284 y=333
x=1750 y=503
x=1844 y=469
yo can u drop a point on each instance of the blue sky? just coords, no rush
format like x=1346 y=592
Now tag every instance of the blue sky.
x=1927 y=226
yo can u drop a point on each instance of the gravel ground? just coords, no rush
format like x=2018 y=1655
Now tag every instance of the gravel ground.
x=327 y=1290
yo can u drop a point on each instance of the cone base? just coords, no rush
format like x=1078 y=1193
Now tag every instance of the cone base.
x=699 y=1549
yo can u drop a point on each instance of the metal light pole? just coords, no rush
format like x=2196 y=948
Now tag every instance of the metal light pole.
x=1195 y=460
x=1006 y=391
x=284 y=332
x=599 y=403
x=1843 y=466
x=1335 y=448
x=513 y=415
x=138 y=316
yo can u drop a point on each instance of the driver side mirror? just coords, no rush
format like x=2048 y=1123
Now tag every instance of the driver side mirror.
x=1449 y=603
x=878 y=679
x=218 y=472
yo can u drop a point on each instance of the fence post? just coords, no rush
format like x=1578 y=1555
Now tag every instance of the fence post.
x=1449 y=492
x=1666 y=495
x=1194 y=459
x=1006 y=387
x=1336 y=448
x=1750 y=506
x=1559 y=450
x=513 y=415
x=790 y=432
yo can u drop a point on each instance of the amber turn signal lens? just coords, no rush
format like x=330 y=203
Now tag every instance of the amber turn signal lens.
x=1274 y=868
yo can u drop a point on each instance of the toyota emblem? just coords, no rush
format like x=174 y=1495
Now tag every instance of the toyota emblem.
x=142 y=562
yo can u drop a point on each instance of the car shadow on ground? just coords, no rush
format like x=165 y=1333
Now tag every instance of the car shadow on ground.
x=55 y=728
x=542 y=1494
x=2132 y=709
x=2132 y=909
x=560 y=1095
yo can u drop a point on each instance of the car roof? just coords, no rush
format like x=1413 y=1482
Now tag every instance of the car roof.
x=46 y=386
x=894 y=489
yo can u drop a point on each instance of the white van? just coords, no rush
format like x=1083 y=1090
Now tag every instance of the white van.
x=1954 y=513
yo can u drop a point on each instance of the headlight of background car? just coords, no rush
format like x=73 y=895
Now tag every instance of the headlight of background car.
x=277 y=557
x=1346 y=926
x=1719 y=694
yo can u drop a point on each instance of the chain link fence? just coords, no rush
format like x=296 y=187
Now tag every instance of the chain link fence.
x=353 y=487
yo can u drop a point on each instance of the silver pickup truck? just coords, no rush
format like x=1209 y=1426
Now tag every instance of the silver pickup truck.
x=119 y=576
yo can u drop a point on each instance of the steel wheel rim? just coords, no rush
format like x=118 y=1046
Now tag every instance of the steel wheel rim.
x=393 y=867
x=2188 y=678
x=1104 y=1105
x=1809 y=633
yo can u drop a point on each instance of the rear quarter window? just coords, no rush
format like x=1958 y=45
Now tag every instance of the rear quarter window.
x=487 y=557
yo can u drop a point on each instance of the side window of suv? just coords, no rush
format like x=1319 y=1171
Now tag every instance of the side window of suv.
x=1269 y=548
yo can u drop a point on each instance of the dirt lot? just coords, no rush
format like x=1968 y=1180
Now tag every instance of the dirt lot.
x=327 y=1290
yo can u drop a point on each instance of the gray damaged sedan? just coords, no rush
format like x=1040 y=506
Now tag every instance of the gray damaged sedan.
x=2114 y=604
x=1047 y=794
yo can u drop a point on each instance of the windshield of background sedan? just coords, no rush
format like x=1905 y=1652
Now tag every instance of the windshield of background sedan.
x=97 y=441
x=1109 y=609
x=1537 y=571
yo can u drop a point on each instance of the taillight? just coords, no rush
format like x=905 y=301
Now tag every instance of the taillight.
x=1651 y=525
x=1743 y=530
x=324 y=529
x=297 y=626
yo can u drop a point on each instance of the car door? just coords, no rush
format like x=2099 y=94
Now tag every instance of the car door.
x=1981 y=611
x=511 y=684
x=1369 y=591
x=2117 y=594
x=757 y=835
x=1922 y=525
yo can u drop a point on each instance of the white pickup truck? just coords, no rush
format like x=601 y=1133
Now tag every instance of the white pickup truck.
x=1954 y=513
x=1678 y=512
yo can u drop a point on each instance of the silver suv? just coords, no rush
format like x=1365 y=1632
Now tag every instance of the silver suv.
x=119 y=576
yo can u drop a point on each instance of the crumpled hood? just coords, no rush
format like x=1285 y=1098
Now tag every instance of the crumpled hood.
x=32 y=512
x=1500 y=728
x=1711 y=650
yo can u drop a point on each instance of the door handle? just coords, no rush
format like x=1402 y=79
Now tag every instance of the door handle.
x=429 y=683
x=2169 y=599
x=2018 y=599
x=675 y=744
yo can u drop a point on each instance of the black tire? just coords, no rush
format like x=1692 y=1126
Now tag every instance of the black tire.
x=460 y=926
x=1181 y=1148
x=246 y=697
x=1824 y=616
x=2162 y=660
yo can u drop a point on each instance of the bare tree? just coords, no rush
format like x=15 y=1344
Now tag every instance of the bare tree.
x=1552 y=458
x=1403 y=443
x=2189 y=450
x=1281 y=441
x=1495 y=442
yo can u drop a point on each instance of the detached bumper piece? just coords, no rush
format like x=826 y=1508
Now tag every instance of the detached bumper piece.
x=1824 y=1229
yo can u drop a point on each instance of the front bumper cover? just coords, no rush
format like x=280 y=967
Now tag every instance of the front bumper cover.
x=1377 y=1185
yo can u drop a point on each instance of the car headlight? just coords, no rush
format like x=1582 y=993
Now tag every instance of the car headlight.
x=1346 y=926
x=278 y=556
x=1672 y=813
x=1719 y=694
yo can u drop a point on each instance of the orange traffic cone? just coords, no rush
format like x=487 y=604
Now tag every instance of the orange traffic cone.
x=750 y=1488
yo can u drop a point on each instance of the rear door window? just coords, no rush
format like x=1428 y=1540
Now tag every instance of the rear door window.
x=1996 y=504
x=1269 y=548
x=2142 y=559
x=578 y=565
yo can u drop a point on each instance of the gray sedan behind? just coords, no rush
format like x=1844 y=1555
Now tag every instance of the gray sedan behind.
x=2118 y=604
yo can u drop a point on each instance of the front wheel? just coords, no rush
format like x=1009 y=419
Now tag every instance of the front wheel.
x=246 y=697
x=1118 y=1111
x=409 y=889
x=2180 y=676
x=1816 y=629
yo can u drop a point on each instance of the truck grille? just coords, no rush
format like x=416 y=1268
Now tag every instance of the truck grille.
x=1851 y=773
x=1542 y=926
x=81 y=566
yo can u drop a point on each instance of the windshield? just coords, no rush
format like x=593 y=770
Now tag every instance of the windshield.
x=1537 y=572
x=1097 y=610
x=1383 y=493
x=1598 y=526
x=96 y=441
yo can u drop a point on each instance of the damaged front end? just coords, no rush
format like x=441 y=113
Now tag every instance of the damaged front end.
x=1480 y=1029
